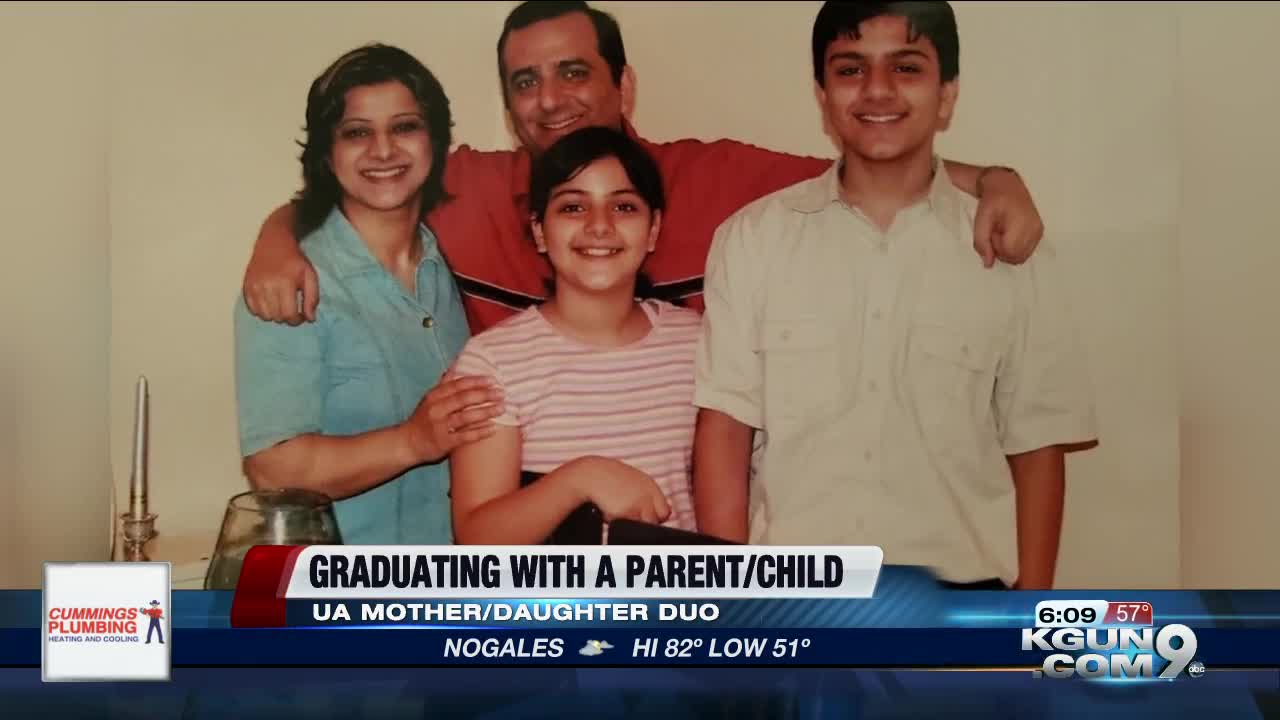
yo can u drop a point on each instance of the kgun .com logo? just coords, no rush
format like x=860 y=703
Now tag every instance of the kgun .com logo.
x=1111 y=652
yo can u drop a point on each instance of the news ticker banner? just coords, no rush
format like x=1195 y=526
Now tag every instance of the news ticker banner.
x=670 y=606
x=277 y=579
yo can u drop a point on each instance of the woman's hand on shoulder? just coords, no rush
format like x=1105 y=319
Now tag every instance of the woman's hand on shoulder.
x=457 y=411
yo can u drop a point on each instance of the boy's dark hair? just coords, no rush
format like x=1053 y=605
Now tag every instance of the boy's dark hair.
x=608 y=34
x=562 y=161
x=934 y=20
x=326 y=102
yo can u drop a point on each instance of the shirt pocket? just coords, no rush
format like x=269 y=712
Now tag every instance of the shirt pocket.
x=951 y=377
x=801 y=382
x=360 y=394
x=359 y=364
x=353 y=350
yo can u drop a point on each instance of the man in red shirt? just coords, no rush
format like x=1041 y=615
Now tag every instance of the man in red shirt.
x=562 y=67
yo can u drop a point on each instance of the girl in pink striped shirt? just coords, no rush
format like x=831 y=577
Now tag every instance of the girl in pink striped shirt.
x=598 y=412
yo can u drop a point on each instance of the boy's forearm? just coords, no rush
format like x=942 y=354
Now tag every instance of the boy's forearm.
x=1039 y=479
x=721 y=470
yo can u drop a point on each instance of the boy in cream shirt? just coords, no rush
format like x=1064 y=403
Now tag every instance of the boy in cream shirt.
x=905 y=396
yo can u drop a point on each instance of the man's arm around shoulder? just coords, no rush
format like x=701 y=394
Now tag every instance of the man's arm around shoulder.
x=280 y=284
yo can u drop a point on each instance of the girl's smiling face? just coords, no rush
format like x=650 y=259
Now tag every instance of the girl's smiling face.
x=597 y=229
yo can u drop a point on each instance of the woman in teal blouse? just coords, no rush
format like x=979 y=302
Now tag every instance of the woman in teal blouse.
x=352 y=405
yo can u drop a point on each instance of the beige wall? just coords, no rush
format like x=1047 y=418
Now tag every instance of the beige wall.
x=54 y=471
x=1229 y=99
x=196 y=147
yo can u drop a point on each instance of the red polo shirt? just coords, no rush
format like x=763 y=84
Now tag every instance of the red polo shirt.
x=484 y=230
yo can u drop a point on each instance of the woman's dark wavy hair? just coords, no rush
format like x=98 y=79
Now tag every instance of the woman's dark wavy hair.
x=572 y=153
x=326 y=101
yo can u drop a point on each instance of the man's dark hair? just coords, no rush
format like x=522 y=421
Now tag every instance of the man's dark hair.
x=608 y=34
x=326 y=103
x=933 y=20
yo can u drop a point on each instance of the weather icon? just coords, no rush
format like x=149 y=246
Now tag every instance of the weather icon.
x=594 y=647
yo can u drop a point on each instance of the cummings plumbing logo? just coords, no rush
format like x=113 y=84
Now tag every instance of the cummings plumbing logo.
x=94 y=626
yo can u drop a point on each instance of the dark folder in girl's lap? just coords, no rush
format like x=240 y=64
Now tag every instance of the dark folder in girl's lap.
x=633 y=532
x=585 y=526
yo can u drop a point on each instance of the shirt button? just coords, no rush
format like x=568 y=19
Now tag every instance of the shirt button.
x=786 y=334
x=867 y=456
x=428 y=322
x=873 y=386
x=875 y=315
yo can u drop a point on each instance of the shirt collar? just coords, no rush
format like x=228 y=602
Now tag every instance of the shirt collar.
x=351 y=256
x=824 y=190
x=816 y=195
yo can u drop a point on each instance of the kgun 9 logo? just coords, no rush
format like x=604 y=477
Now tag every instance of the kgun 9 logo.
x=1115 y=652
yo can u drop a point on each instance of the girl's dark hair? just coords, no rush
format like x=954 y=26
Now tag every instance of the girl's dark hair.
x=572 y=153
x=326 y=102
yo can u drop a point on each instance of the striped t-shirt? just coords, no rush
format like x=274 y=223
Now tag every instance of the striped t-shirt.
x=633 y=404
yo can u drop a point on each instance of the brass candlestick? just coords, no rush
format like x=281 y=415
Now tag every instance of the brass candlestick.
x=137 y=532
x=138 y=525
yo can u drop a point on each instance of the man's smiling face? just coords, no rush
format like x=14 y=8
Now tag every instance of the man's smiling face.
x=556 y=81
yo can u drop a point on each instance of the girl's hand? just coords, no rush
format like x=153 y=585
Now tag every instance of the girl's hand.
x=621 y=491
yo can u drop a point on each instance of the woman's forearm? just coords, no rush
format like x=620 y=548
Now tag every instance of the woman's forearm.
x=338 y=466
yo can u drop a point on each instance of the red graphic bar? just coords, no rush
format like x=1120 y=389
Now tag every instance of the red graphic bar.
x=259 y=600
x=1129 y=613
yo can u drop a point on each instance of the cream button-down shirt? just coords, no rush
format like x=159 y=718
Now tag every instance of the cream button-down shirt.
x=889 y=374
